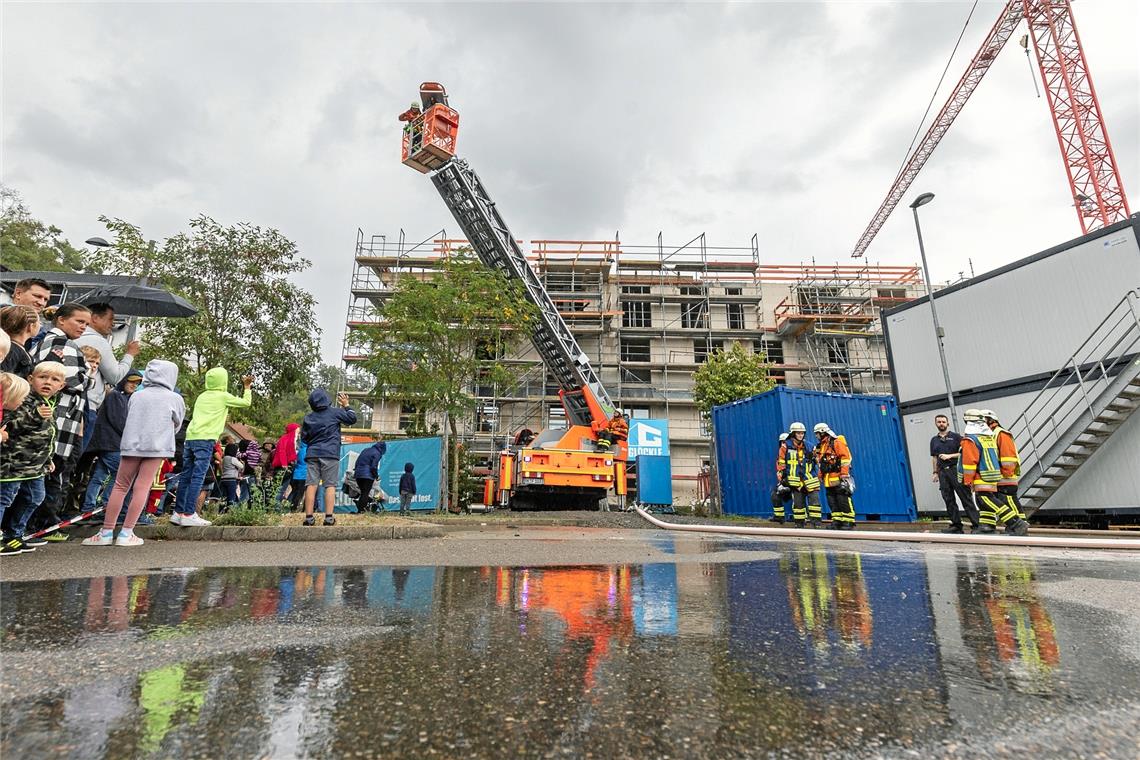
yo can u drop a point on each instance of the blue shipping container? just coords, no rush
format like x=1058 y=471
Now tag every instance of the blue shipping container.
x=747 y=438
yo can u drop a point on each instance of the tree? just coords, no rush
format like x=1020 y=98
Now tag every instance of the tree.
x=251 y=318
x=439 y=336
x=28 y=244
x=730 y=376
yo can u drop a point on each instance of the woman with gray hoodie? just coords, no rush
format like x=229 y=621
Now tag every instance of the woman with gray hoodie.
x=154 y=415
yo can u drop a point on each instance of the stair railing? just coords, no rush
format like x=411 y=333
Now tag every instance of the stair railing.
x=1074 y=389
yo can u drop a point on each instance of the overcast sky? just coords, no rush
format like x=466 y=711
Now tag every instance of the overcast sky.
x=788 y=120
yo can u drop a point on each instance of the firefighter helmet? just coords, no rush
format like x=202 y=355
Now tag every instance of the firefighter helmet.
x=988 y=414
x=783 y=437
x=823 y=427
x=797 y=427
x=972 y=415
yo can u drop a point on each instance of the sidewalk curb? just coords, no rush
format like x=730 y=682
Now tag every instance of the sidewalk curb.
x=284 y=533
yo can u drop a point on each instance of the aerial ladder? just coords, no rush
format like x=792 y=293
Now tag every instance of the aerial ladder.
x=557 y=468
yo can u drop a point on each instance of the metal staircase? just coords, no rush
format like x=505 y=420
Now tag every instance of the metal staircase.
x=1081 y=406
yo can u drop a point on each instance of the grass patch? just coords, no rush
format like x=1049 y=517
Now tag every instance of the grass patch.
x=247 y=515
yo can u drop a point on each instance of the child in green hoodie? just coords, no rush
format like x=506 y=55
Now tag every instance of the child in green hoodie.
x=209 y=420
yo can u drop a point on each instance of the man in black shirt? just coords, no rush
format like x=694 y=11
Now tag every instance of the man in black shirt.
x=944 y=452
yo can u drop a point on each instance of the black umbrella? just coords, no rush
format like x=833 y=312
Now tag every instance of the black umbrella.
x=140 y=301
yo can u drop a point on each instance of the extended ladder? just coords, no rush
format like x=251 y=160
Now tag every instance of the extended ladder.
x=493 y=243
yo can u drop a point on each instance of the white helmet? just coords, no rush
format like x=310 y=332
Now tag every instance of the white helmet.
x=783 y=437
x=823 y=427
x=988 y=414
x=972 y=415
x=797 y=427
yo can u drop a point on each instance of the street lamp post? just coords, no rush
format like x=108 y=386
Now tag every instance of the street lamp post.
x=939 y=333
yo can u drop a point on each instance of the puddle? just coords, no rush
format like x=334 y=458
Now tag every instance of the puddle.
x=813 y=652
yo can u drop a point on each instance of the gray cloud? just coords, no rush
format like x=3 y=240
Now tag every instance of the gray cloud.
x=782 y=119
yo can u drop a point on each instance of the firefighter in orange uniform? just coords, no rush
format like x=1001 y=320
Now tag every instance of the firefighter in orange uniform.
x=1009 y=461
x=617 y=429
x=782 y=492
x=796 y=470
x=834 y=458
x=980 y=468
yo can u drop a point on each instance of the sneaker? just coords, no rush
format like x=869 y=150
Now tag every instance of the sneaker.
x=175 y=518
x=330 y=520
x=15 y=546
x=57 y=537
x=194 y=521
x=1017 y=528
x=952 y=529
x=39 y=541
x=128 y=540
x=99 y=539
x=145 y=520
x=310 y=521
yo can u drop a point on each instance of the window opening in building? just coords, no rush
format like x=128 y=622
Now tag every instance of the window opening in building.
x=703 y=348
x=838 y=353
x=637 y=314
x=693 y=313
x=634 y=349
x=735 y=313
x=411 y=418
x=773 y=349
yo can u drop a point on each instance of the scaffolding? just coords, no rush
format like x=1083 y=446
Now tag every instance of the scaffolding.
x=648 y=316
x=833 y=314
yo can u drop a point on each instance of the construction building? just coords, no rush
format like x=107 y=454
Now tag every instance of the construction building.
x=648 y=317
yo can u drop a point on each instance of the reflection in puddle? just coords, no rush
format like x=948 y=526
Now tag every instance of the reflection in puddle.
x=816 y=651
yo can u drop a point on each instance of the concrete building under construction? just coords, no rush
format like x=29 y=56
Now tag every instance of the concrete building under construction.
x=648 y=316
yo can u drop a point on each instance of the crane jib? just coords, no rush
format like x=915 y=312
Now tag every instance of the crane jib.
x=492 y=241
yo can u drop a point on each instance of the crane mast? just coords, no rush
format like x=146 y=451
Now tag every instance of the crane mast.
x=1094 y=179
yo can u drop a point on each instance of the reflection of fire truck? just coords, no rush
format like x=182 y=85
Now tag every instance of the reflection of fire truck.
x=557 y=467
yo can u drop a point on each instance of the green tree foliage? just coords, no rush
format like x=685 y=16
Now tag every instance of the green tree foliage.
x=440 y=336
x=251 y=318
x=26 y=243
x=728 y=376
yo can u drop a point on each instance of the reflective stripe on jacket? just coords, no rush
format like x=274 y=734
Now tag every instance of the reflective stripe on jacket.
x=797 y=461
x=838 y=447
x=1008 y=457
x=978 y=465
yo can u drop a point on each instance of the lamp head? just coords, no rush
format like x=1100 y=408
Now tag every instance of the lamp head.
x=98 y=242
x=922 y=200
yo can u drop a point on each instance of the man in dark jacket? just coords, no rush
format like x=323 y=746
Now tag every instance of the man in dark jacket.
x=366 y=471
x=105 y=440
x=407 y=488
x=320 y=432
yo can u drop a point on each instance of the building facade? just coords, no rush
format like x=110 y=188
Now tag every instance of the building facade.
x=648 y=317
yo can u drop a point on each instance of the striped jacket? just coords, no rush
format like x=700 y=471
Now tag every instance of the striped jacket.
x=72 y=400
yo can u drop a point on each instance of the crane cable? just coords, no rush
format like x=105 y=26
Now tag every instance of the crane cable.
x=934 y=94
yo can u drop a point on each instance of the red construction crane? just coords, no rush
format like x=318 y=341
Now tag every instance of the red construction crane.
x=1094 y=179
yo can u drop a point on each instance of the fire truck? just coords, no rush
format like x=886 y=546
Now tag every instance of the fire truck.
x=556 y=468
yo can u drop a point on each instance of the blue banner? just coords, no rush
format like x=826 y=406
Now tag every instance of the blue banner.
x=648 y=438
x=423 y=453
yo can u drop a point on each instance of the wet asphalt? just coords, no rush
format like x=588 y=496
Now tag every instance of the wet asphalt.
x=559 y=642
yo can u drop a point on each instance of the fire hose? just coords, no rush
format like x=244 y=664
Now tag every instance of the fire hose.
x=1053 y=542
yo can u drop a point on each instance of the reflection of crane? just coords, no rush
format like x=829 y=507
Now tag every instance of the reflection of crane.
x=1094 y=180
